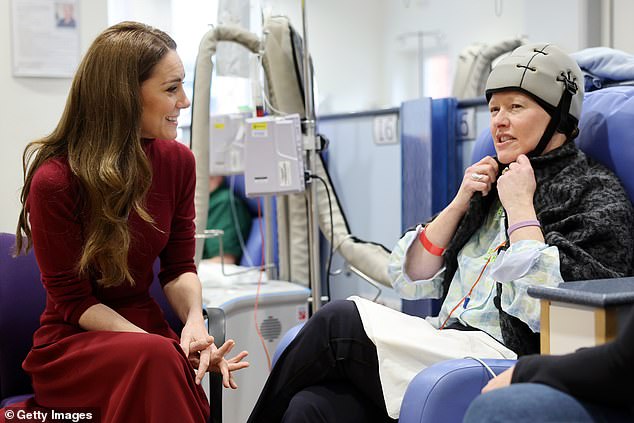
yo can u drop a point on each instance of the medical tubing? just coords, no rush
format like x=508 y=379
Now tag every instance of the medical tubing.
x=486 y=366
x=270 y=106
x=267 y=103
x=332 y=235
x=257 y=293
x=467 y=297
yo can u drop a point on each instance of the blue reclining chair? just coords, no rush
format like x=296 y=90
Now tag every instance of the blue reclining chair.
x=442 y=392
x=22 y=300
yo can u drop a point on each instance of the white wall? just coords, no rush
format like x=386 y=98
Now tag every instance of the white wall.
x=459 y=23
x=344 y=40
x=463 y=22
x=152 y=12
x=622 y=34
x=31 y=106
x=360 y=64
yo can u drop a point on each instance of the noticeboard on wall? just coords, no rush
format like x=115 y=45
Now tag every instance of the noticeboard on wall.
x=44 y=38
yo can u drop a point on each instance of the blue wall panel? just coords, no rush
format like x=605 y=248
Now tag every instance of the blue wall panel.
x=432 y=169
x=416 y=160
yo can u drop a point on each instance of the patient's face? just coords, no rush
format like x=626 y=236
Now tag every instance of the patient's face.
x=517 y=124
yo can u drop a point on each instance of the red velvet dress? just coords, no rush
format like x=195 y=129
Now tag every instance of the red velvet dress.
x=130 y=377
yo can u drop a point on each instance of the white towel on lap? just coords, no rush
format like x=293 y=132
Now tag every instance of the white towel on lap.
x=407 y=344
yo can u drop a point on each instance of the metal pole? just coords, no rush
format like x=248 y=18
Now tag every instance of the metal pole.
x=313 y=226
x=421 y=66
x=267 y=202
x=420 y=54
x=271 y=272
x=611 y=17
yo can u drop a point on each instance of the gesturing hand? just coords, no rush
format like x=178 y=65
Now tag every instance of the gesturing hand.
x=218 y=363
x=204 y=356
x=213 y=359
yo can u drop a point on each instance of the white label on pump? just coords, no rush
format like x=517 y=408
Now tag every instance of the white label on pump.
x=285 y=176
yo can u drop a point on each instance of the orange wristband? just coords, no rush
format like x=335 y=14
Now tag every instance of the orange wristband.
x=427 y=244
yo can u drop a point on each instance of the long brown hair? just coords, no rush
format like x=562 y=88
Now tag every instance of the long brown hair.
x=99 y=134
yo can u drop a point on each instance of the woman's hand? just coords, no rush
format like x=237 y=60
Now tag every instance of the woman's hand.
x=477 y=178
x=213 y=360
x=500 y=381
x=196 y=344
x=218 y=363
x=204 y=356
x=516 y=185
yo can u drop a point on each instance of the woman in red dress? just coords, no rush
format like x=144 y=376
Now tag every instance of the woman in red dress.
x=105 y=194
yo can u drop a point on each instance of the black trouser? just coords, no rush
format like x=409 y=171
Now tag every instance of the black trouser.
x=328 y=373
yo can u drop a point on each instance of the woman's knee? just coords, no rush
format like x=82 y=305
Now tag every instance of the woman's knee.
x=335 y=312
x=337 y=319
x=161 y=346
x=303 y=408
x=330 y=403
x=151 y=348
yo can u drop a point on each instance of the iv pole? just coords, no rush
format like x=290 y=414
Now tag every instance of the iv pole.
x=420 y=53
x=311 y=144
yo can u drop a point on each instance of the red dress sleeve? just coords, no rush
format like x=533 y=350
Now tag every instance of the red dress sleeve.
x=57 y=238
x=178 y=255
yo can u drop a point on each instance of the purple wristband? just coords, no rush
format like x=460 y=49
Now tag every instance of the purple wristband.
x=521 y=224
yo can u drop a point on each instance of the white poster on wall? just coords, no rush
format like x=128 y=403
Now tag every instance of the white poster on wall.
x=45 y=38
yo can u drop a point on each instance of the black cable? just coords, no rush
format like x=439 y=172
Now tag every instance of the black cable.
x=332 y=236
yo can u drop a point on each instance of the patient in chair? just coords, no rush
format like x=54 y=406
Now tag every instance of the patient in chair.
x=230 y=214
x=235 y=225
x=539 y=213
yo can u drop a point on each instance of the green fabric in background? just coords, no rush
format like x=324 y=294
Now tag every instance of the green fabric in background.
x=220 y=216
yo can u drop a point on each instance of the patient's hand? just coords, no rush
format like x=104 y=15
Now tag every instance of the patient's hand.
x=500 y=381
x=516 y=186
x=477 y=178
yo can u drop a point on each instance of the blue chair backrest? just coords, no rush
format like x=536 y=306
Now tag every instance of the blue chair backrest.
x=22 y=300
x=606 y=133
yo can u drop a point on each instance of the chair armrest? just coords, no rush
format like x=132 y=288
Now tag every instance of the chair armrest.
x=442 y=392
x=217 y=329
x=217 y=324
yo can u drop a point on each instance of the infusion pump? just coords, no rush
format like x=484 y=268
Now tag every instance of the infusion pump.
x=226 y=143
x=274 y=155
